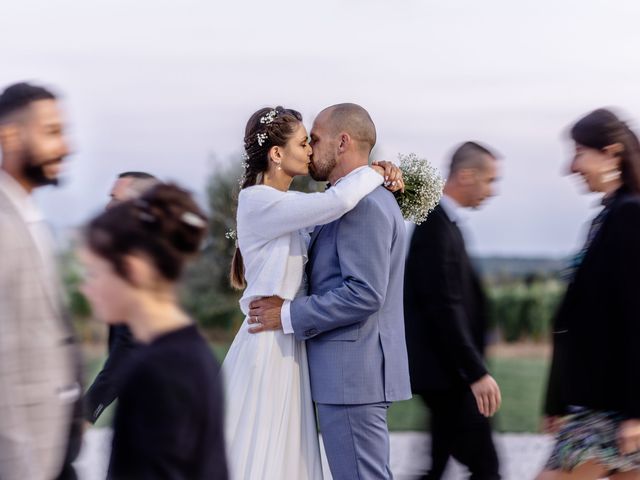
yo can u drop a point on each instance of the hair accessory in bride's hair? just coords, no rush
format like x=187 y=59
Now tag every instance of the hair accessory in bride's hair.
x=232 y=235
x=262 y=138
x=268 y=118
x=245 y=160
x=245 y=168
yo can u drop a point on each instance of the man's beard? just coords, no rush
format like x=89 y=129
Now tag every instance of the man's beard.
x=320 y=171
x=35 y=171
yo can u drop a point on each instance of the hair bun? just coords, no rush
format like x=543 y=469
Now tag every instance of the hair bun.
x=175 y=216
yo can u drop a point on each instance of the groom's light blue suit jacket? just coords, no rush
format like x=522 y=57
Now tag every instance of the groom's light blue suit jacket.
x=352 y=319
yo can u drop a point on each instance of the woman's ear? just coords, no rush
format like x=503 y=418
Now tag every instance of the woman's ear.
x=275 y=154
x=615 y=149
x=139 y=271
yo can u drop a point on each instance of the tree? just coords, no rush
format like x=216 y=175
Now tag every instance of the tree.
x=206 y=291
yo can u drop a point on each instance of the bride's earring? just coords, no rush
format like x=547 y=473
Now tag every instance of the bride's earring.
x=279 y=167
x=611 y=176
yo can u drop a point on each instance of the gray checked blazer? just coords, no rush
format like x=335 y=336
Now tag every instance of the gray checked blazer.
x=37 y=362
x=352 y=320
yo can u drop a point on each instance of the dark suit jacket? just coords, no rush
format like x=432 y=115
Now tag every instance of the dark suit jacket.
x=106 y=386
x=596 y=360
x=444 y=308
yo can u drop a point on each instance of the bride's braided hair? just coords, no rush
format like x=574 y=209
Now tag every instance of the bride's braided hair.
x=267 y=128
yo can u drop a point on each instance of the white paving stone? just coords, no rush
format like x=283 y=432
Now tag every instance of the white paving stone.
x=521 y=455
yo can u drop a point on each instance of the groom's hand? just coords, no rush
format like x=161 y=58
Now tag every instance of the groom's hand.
x=265 y=314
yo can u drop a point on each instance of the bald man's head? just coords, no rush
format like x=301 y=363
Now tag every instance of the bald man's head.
x=342 y=138
x=353 y=120
x=130 y=185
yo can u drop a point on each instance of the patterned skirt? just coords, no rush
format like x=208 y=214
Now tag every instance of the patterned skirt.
x=591 y=435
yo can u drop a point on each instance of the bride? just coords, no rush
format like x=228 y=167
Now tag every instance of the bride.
x=270 y=420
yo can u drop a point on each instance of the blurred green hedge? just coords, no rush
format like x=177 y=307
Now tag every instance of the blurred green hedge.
x=524 y=310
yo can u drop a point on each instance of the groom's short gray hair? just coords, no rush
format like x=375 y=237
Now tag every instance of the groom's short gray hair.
x=354 y=120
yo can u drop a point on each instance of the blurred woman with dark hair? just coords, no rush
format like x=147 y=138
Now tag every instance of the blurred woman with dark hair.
x=593 y=397
x=169 y=420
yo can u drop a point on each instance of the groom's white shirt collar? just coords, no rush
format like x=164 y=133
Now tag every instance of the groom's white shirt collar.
x=350 y=173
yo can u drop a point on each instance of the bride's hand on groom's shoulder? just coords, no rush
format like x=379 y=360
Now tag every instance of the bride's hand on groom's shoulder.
x=392 y=174
x=264 y=313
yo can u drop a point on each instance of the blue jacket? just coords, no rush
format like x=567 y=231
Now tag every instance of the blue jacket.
x=353 y=319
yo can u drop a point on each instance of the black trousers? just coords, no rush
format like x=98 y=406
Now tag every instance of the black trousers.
x=459 y=430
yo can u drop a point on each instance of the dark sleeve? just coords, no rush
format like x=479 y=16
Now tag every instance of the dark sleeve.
x=104 y=389
x=441 y=287
x=554 y=404
x=626 y=228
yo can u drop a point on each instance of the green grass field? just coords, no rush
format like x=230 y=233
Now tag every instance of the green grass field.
x=522 y=382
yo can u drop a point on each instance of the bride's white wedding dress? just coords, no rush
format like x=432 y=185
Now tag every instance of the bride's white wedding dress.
x=270 y=418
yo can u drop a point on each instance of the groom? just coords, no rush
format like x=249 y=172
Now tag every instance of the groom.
x=352 y=319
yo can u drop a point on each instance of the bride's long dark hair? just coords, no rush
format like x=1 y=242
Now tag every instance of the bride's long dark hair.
x=266 y=128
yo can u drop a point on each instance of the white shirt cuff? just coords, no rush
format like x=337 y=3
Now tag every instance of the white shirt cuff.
x=285 y=317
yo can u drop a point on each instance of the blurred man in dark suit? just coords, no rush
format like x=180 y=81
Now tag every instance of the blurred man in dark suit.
x=104 y=390
x=446 y=323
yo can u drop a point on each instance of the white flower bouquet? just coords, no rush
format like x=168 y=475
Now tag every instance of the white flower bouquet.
x=422 y=188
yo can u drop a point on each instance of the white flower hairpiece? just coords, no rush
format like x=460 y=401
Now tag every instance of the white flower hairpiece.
x=262 y=138
x=245 y=161
x=268 y=118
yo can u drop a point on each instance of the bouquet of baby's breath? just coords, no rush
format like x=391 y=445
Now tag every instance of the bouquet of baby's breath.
x=422 y=188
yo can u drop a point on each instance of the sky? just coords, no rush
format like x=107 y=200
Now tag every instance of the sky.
x=167 y=87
